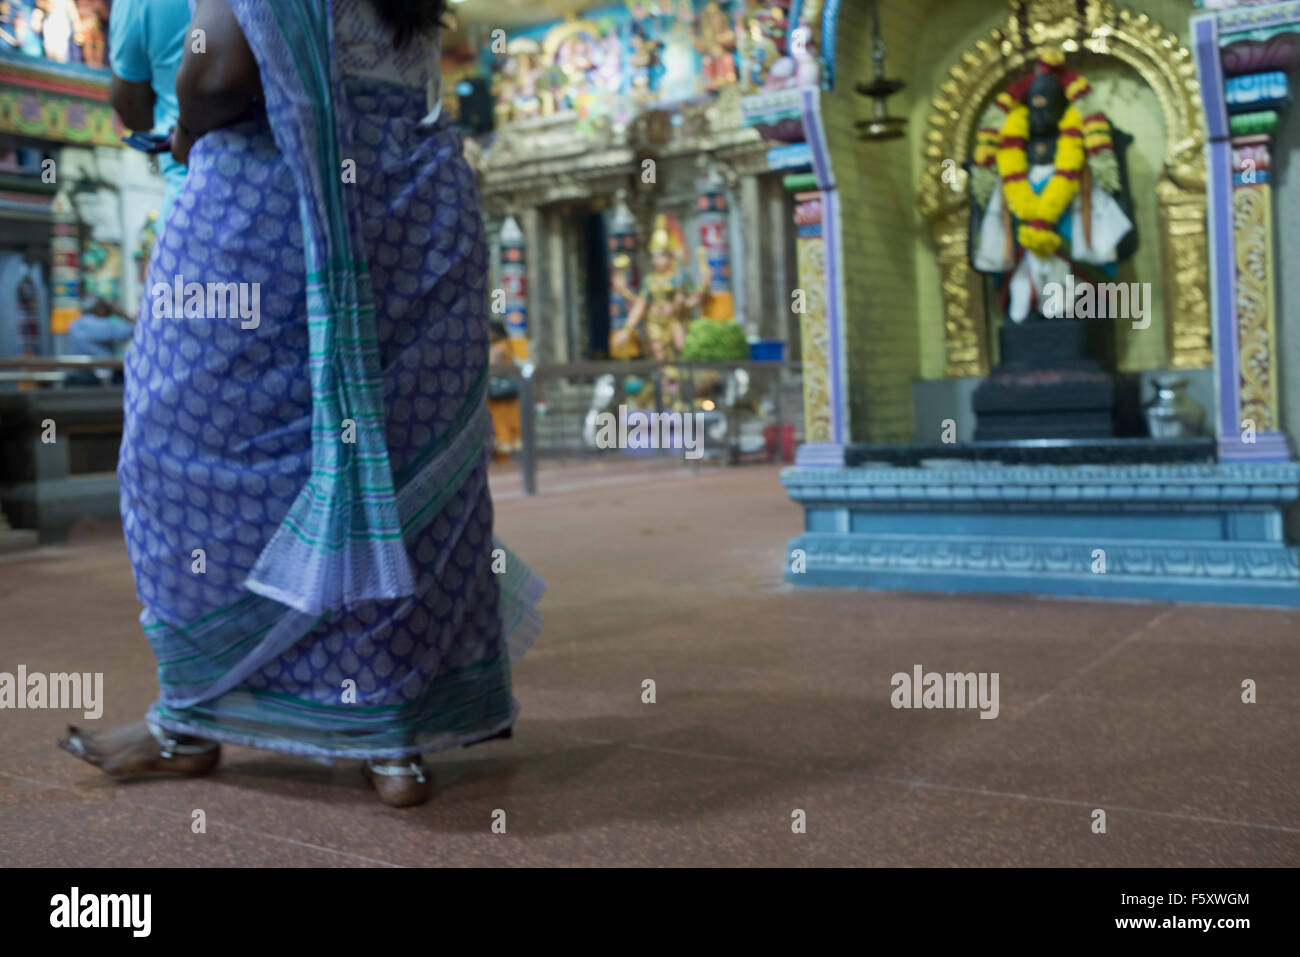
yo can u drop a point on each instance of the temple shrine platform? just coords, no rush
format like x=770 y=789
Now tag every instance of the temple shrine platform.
x=1009 y=519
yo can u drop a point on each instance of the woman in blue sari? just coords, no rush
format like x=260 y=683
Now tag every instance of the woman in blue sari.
x=303 y=468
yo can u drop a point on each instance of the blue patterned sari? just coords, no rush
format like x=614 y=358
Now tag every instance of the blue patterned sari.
x=304 y=492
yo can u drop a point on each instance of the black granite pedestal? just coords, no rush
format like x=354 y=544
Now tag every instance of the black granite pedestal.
x=1051 y=383
x=1121 y=451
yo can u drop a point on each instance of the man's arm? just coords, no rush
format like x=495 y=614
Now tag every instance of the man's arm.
x=130 y=93
x=133 y=103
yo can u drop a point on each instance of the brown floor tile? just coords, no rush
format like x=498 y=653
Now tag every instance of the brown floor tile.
x=1220 y=761
x=769 y=698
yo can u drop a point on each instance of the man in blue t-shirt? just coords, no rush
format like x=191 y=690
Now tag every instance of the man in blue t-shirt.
x=100 y=331
x=145 y=41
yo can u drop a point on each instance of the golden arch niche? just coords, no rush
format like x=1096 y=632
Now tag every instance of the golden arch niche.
x=1166 y=67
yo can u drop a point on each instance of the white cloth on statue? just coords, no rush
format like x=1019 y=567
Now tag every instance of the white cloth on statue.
x=1110 y=225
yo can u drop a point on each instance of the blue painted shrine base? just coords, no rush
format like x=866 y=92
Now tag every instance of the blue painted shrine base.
x=1190 y=532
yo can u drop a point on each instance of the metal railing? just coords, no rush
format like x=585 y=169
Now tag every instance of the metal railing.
x=48 y=370
x=45 y=369
x=530 y=379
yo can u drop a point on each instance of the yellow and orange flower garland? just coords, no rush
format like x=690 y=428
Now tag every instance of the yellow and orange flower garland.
x=1039 y=212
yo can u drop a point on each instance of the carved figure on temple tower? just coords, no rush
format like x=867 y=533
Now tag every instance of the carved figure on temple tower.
x=523 y=74
x=27 y=27
x=717 y=47
x=574 y=59
x=1045 y=182
x=645 y=65
x=503 y=93
x=570 y=52
x=94 y=22
x=60 y=25
x=805 y=44
x=800 y=67
x=609 y=62
x=763 y=41
x=681 y=77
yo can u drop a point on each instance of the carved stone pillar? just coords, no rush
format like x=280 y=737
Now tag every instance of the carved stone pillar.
x=715 y=246
x=622 y=258
x=818 y=299
x=65 y=271
x=1241 y=58
x=810 y=306
x=1252 y=223
x=514 y=280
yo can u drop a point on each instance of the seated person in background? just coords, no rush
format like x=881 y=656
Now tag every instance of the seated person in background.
x=100 y=331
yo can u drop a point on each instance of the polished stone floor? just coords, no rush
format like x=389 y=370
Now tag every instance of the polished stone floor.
x=770 y=700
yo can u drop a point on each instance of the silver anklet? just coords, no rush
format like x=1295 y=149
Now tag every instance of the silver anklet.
x=411 y=770
x=171 y=747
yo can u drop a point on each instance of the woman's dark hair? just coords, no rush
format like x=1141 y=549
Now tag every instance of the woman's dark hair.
x=410 y=18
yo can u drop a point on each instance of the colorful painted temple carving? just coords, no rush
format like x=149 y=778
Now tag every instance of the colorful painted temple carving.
x=1244 y=56
x=615 y=62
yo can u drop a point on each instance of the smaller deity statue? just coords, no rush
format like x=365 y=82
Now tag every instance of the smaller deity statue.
x=624 y=343
x=668 y=299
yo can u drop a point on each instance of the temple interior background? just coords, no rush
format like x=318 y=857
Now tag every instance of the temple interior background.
x=809 y=223
x=795 y=182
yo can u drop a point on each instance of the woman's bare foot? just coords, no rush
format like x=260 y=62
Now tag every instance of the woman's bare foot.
x=399 y=782
x=131 y=750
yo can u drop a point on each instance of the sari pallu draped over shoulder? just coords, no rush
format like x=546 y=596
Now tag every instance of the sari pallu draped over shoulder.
x=304 y=495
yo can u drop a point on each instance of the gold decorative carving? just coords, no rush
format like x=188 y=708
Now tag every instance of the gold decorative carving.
x=1252 y=221
x=815 y=340
x=1035 y=27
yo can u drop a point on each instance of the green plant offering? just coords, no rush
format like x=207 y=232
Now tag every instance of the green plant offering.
x=714 y=340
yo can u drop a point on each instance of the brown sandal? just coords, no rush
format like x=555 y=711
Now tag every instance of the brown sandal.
x=128 y=752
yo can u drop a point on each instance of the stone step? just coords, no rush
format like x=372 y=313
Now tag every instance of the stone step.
x=16 y=539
